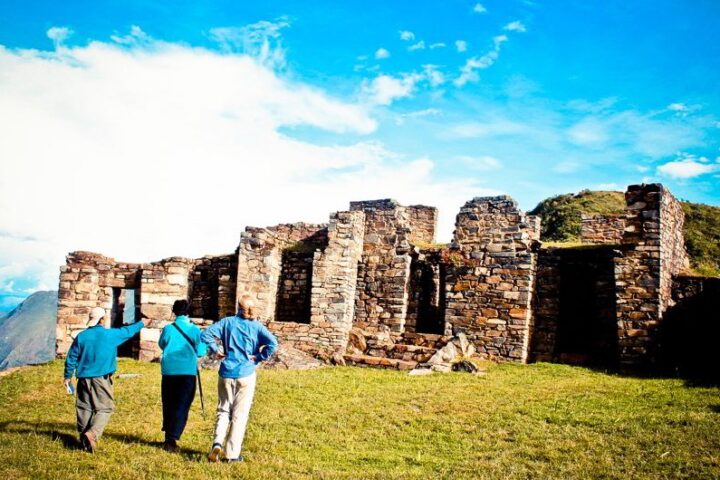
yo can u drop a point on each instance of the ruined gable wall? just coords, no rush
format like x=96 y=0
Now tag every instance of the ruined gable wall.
x=490 y=277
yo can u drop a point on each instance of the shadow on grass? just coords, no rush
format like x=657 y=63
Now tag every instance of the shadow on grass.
x=59 y=432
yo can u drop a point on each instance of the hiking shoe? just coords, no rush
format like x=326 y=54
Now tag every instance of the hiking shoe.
x=89 y=441
x=171 y=446
x=240 y=458
x=214 y=454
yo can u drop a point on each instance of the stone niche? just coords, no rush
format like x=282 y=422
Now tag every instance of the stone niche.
x=303 y=278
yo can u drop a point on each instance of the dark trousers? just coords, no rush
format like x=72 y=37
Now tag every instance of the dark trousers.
x=178 y=393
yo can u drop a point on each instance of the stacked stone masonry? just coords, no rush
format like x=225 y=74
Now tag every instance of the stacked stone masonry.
x=602 y=229
x=372 y=284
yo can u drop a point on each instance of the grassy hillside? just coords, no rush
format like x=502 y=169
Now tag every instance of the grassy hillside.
x=561 y=214
x=702 y=237
x=561 y=223
x=535 y=421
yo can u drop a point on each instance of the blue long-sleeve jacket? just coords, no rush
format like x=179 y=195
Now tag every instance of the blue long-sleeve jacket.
x=179 y=357
x=241 y=338
x=94 y=351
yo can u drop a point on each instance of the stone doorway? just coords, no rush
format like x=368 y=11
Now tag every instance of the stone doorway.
x=294 y=285
x=587 y=324
x=126 y=311
x=426 y=299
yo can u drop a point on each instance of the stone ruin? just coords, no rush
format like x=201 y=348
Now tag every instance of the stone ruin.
x=371 y=288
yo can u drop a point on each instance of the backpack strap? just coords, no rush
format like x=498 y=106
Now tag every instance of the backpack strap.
x=192 y=344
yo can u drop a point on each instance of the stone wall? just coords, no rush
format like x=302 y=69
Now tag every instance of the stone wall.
x=91 y=280
x=384 y=270
x=423 y=224
x=87 y=281
x=212 y=287
x=602 y=229
x=320 y=265
x=653 y=251
x=260 y=260
x=373 y=271
x=490 y=277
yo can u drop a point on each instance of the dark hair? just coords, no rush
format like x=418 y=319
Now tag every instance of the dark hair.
x=181 y=307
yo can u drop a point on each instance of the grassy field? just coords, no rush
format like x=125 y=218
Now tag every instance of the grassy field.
x=536 y=421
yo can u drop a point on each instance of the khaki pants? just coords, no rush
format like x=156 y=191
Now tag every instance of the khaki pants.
x=94 y=404
x=235 y=396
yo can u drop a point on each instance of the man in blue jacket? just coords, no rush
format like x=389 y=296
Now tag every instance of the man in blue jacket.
x=92 y=358
x=246 y=342
x=181 y=346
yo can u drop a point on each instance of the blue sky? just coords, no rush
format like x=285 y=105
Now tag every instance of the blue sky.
x=320 y=103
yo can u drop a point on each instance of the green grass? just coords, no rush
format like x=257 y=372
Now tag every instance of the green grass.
x=561 y=215
x=536 y=421
x=702 y=238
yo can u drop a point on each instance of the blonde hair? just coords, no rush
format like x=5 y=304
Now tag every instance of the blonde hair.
x=246 y=307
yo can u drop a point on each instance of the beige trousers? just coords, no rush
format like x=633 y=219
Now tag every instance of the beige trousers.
x=235 y=396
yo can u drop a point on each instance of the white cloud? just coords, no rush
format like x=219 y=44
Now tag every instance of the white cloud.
x=261 y=40
x=483 y=163
x=150 y=149
x=515 y=26
x=677 y=107
x=486 y=129
x=58 y=34
x=407 y=35
x=426 y=112
x=461 y=45
x=687 y=167
x=479 y=8
x=417 y=46
x=384 y=89
x=381 y=53
x=468 y=73
x=588 y=132
x=434 y=76
x=437 y=45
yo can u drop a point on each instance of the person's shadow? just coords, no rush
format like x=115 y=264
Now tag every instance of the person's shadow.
x=58 y=432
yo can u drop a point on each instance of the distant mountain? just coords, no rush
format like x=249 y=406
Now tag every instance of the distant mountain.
x=561 y=223
x=27 y=334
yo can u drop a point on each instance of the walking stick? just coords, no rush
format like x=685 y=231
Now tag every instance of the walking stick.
x=202 y=400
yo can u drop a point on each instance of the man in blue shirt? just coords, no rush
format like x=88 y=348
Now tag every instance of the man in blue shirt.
x=92 y=358
x=246 y=342
x=181 y=346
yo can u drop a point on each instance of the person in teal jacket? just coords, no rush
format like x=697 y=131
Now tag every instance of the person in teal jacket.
x=92 y=358
x=181 y=346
